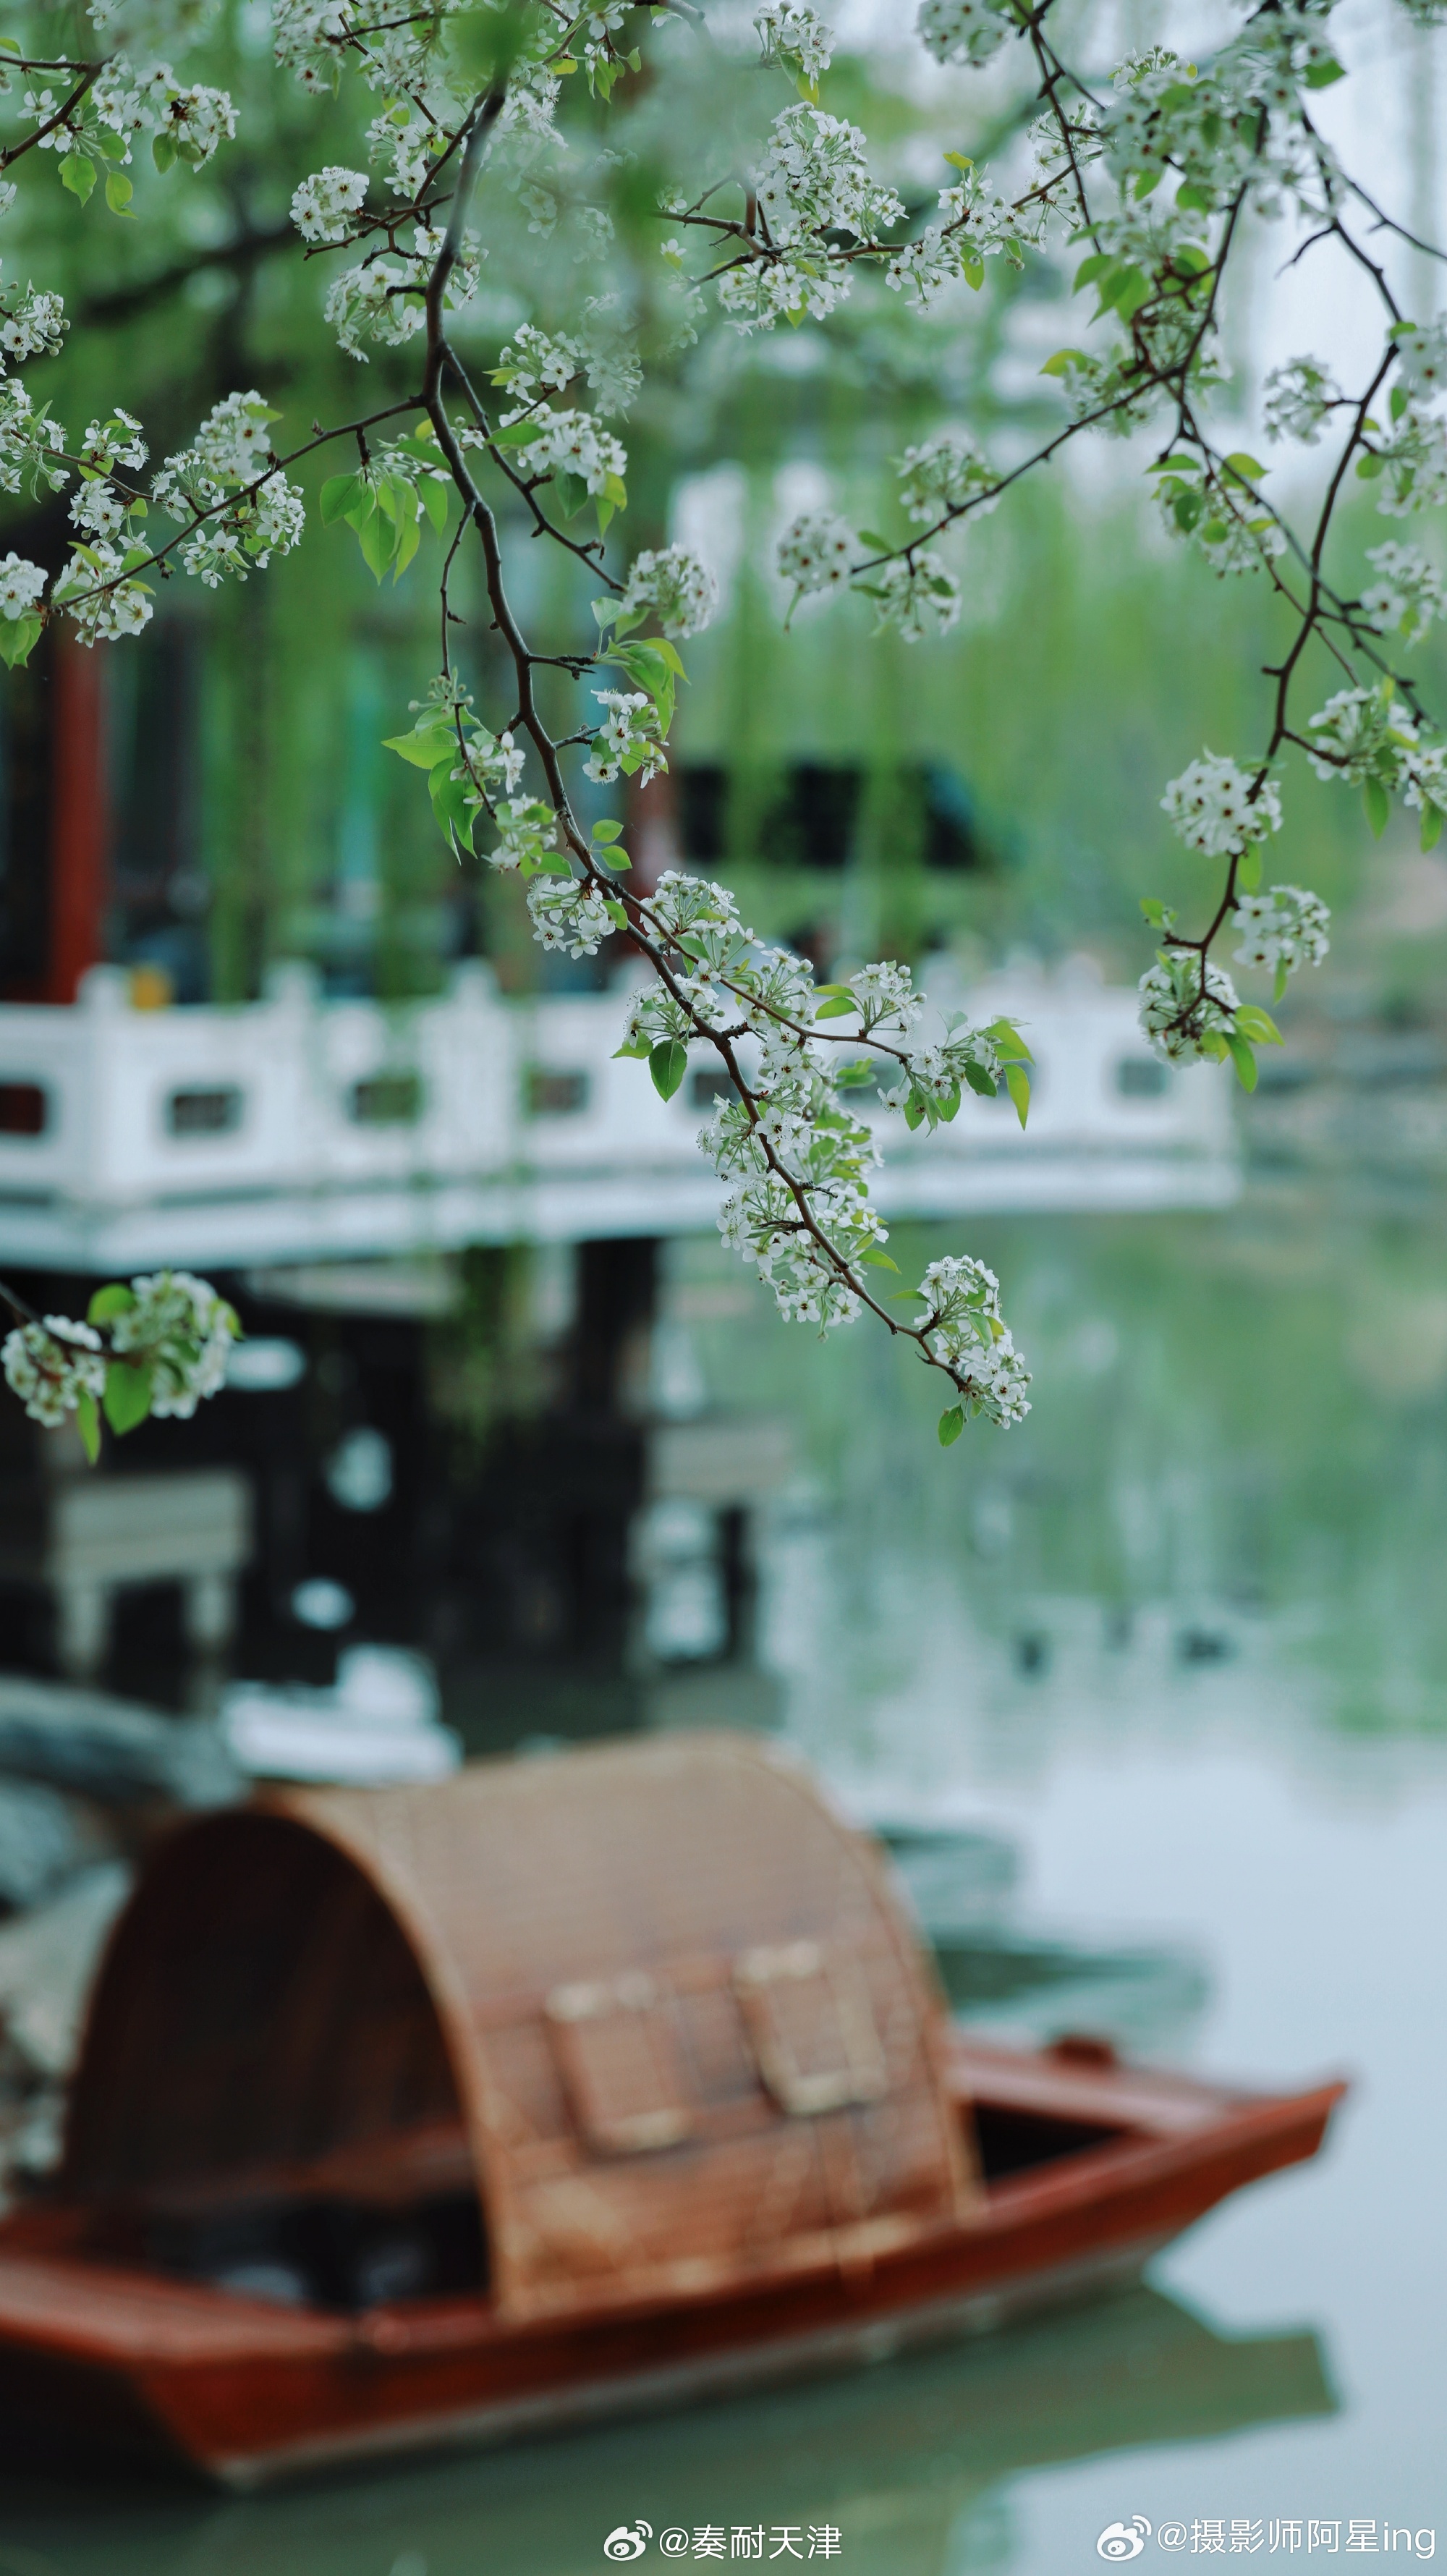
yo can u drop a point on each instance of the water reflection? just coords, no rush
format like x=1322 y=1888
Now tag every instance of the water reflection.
x=909 y=2462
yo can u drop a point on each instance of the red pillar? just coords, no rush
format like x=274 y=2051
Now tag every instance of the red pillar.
x=79 y=829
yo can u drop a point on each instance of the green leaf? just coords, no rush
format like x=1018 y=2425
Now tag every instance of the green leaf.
x=667 y=1063
x=87 y=1423
x=837 y=1007
x=127 y=1397
x=880 y=1261
x=1017 y=1083
x=339 y=492
x=1370 y=466
x=114 y=1299
x=1005 y=1033
x=1154 y=912
x=1244 y=1061
x=1063 y=361
x=951 y=1425
x=1258 y=1025
x=872 y=537
x=77 y=173
x=1322 y=75
x=1379 y=806
x=377 y=538
x=607 y=829
x=163 y=151
x=1432 y=822
x=980 y=1081
x=973 y=273
x=119 y=192
x=429 y=742
x=18 y=638
x=1248 y=868
x=434 y=497
x=520 y=433
x=572 y=492
x=1099 y=264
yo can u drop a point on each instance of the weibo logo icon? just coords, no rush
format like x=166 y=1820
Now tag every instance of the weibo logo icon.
x=1124 y=2539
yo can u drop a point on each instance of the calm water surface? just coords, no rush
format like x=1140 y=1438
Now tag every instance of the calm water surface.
x=1173 y=1660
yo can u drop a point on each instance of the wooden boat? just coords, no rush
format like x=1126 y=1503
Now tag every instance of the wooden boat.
x=559 y=2087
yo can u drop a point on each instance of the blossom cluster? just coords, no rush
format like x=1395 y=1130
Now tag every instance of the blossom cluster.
x=628 y=738
x=51 y=1366
x=965 y=31
x=1284 y=929
x=1186 y=1004
x=194 y=120
x=236 y=512
x=571 y=442
x=794 y=1159
x=1218 y=810
x=182 y=1332
x=815 y=551
x=979 y=224
x=943 y=473
x=383 y=299
x=681 y=591
x=323 y=208
x=31 y=325
x=22 y=585
x=916 y=593
x=1298 y=399
x=1407 y=593
x=794 y=36
x=964 y=1329
x=170 y=1337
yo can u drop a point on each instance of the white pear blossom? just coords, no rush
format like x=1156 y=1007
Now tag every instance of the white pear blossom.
x=570 y=442
x=1422 y=358
x=964 y=1329
x=815 y=177
x=1214 y=811
x=183 y=1332
x=31 y=325
x=384 y=298
x=918 y=595
x=942 y=473
x=795 y=36
x=324 y=205
x=1415 y=461
x=1407 y=593
x=1284 y=929
x=964 y=31
x=569 y=915
x=886 y=998
x=628 y=739
x=815 y=551
x=97 y=508
x=50 y=1366
x=99 y=598
x=1297 y=400
x=681 y=590
x=1179 y=1010
x=22 y=585
x=1362 y=734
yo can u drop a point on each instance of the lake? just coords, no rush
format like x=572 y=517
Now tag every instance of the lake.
x=1151 y=1693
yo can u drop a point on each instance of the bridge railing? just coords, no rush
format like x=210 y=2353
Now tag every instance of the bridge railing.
x=298 y=1125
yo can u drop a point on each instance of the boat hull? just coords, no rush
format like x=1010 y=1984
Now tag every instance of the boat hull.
x=245 y=2391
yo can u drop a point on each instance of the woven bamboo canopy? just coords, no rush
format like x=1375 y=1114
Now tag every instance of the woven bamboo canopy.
x=661 y=1991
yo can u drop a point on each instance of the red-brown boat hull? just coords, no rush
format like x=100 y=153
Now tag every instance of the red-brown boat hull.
x=244 y=2390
